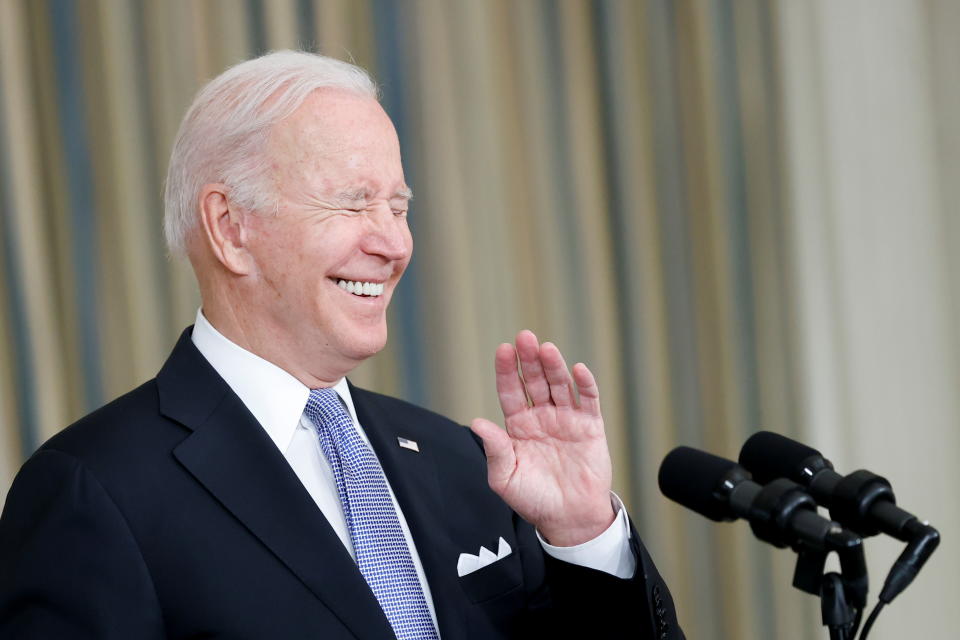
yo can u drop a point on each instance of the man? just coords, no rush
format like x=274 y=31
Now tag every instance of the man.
x=249 y=491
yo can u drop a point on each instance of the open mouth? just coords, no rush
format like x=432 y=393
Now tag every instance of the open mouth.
x=363 y=289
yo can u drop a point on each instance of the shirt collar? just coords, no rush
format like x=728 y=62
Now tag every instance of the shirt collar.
x=274 y=397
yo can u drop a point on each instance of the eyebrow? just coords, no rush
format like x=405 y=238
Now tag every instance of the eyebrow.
x=362 y=194
x=353 y=195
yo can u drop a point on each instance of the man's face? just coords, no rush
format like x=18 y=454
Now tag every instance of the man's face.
x=341 y=219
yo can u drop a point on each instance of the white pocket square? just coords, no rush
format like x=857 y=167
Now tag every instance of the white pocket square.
x=468 y=563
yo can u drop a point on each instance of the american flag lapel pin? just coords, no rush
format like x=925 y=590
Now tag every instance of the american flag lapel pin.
x=408 y=444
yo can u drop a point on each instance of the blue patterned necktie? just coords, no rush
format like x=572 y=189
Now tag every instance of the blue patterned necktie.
x=381 y=549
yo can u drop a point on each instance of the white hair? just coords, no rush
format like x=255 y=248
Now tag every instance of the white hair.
x=224 y=133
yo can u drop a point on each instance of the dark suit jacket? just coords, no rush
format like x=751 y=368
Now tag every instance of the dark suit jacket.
x=170 y=513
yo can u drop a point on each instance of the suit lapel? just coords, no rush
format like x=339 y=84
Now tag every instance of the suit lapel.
x=415 y=481
x=231 y=455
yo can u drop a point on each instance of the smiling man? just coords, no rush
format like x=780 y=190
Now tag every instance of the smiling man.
x=284 y=285
x=249 y=491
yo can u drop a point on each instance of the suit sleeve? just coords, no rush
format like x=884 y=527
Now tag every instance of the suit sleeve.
x=69 y=564
x=612 y=607
x=577 y=601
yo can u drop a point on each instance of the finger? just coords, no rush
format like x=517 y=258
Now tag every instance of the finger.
x=555 y=369
x=513 y=399
x=587 y=387
x=498 y=448
x=528 y=348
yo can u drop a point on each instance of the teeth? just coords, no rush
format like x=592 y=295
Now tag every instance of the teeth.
x=372 y=289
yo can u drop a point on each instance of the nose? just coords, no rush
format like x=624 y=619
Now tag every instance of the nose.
x=387 y=234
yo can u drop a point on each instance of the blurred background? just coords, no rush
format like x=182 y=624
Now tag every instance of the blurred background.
x=742 y=214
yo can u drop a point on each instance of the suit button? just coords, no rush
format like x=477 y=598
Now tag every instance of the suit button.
x=656 y=591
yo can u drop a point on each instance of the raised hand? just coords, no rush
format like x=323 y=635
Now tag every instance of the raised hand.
x=552 y=464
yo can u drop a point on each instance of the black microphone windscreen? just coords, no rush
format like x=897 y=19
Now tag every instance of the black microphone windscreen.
x=769 y=456
x=693 y=478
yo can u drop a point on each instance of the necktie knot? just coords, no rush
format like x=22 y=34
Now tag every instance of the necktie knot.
x=324 y=406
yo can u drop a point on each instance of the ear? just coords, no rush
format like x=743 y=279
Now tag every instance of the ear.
x=224 y=229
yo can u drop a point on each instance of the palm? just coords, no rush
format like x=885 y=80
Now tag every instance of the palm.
x=551 y=465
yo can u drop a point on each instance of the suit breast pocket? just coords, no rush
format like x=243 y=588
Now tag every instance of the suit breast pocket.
x=493 y=580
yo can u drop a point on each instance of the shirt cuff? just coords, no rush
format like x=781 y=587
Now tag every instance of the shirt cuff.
x=609 y=552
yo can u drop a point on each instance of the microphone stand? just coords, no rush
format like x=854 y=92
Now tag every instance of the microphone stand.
x=784 y=514
x=843 y=595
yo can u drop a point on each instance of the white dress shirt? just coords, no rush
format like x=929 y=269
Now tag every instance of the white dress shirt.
x=277 y=400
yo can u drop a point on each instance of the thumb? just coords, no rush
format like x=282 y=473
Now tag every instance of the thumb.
x=501 y=459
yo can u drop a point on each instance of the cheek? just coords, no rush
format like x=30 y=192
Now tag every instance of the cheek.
x=408 y=238
x=281 y=259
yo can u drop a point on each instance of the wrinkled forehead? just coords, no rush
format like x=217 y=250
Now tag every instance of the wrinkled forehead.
x=336 y=139
x=333 y=119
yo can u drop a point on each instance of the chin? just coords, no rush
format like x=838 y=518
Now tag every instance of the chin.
x=366 y=345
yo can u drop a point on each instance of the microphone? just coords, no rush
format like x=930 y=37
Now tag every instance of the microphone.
x=862 y=501
x=780 y=513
